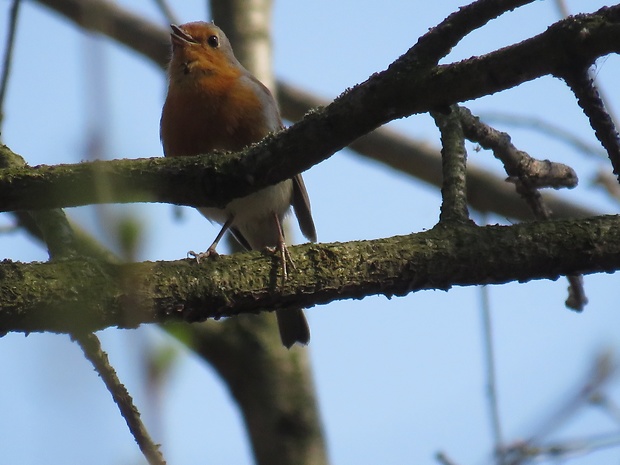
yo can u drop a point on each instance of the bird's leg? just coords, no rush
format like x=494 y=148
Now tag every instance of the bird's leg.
x=211 y=252
x=285 y=256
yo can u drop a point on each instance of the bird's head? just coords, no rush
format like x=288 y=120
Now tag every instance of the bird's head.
x=201 y=48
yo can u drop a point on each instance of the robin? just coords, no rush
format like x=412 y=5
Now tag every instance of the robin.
x=214 y=103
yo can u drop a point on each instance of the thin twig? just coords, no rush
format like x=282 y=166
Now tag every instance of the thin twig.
x=517 y=163
x=608 y=183
x=533 y=448
x=606 y=404
x=92 y=350
x=576 y=299
x=562 y=8
x=570 y=448
x=8 y=56
x=454 y=166
x=491 y=376
x=165 y=10
x=590 y=101
x=547 y=128
x=528 y=174
x=600 y=373
x=443 y=459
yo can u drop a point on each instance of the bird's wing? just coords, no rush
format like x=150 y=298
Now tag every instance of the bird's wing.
x=240 y=238
x=301 y=205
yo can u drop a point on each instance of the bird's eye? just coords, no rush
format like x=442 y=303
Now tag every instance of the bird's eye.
x=213 y=41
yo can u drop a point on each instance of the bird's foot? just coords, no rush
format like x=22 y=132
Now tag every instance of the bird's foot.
x=210 y=252
x=285 y=257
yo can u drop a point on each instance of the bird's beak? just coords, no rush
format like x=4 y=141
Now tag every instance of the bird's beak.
x=180 y=37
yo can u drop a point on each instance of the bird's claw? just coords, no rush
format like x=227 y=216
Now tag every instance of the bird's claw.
x=210 y=252
x=285 y=257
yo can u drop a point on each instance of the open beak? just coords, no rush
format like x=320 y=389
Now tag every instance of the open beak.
x=180 y=37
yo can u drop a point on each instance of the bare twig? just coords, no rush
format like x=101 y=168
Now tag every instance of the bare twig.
x=611 y=408
x=528 y=175
x=519 y=166
x=454 y=166
x=57 y=232
x=92 y=350
x=590 y=101
x=547 y=128
x=166 y=11
x=534 y=447
x=606 y=181
x=491 y=376
x=562 y=8
x=599 y=374
x=443 y=459
x=563 y=450
x=8 y=56
x=577 y=298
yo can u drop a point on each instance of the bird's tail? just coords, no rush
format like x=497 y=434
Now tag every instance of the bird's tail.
x=293 y=326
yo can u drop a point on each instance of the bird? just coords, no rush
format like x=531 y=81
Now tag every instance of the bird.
x=214 y=103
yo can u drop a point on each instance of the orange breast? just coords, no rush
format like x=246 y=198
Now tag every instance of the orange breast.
x=213 y=113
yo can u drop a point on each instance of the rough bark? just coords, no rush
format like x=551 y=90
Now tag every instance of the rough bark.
x=86 y=295
x=403 y=89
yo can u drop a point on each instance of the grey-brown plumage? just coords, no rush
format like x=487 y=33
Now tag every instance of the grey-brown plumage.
x=214 y=103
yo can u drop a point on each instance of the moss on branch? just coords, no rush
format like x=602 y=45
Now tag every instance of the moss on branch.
x=87 y=295
x=405 y=88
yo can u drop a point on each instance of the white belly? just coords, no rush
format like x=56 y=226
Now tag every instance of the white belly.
x=254 y=214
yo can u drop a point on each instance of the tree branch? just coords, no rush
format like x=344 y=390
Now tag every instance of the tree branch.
x=454 y=163
x=8 y=56
x=92 y=351
x=85 y=296
x=528 y=175
x=63 y=245
x=582 y=84
x=273 y=387
x=485 y=191
x=403 y=89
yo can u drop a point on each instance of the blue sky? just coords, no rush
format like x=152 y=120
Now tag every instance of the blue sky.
x=397 y=380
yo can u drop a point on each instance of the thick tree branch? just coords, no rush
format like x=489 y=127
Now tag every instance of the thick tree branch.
x=485 y=192
x=400 y=91
x=85 y=296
